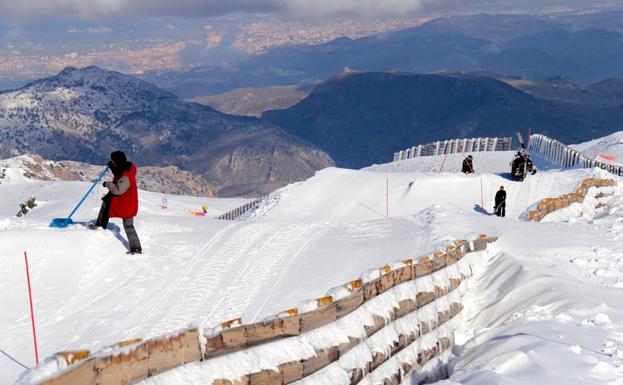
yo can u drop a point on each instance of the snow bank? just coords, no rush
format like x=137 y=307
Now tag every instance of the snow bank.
x=589 y=196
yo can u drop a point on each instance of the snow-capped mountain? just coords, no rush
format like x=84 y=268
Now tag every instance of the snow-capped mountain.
x=170 y=180
x=84 y=114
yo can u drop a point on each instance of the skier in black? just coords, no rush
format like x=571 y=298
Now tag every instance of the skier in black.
x=468 y=165
x=500 y=203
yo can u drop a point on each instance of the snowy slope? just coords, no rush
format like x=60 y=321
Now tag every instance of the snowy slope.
x=611 y=146
x=348 y=195
x=552 y=285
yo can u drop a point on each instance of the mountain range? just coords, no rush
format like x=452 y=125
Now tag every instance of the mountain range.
x=84 y=114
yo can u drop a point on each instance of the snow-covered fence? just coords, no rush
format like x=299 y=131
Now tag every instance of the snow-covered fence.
x=565 y=156
x=394 y=322
x=454 y=146
x=549 y=205
x=238 y=211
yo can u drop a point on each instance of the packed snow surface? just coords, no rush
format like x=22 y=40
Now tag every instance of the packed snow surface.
x=608 y=149
x=548 y=308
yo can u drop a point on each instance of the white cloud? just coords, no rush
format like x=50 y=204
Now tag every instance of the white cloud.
x=35 y=9
x=99 y=29
x=93 y=9
x=319 y=8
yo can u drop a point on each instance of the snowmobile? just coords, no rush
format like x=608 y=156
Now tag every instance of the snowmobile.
x=521 y=164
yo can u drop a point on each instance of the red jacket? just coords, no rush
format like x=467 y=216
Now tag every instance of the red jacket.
x=126 y=204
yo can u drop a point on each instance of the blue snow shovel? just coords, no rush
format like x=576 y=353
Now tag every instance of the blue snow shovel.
x=61 y=223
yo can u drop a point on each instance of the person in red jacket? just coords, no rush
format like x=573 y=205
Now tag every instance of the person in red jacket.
x=122 y=199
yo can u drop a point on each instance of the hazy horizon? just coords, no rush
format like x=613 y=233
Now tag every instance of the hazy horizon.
x=40 y=38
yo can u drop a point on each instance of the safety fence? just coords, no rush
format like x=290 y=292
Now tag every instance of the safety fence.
x=394 y=323
x=455 y=146
x=549 y=205
x=238 y=211
x=565 y=156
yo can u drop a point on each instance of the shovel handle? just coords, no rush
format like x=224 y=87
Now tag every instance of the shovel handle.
x=99 y=177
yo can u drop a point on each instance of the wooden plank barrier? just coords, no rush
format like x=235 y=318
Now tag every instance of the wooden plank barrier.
x=549 y=205
x=454 y=146
x=291 y=371
x=238 y=211
x=131 y=361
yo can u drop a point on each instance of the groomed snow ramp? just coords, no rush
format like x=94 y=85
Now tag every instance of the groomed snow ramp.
x=393 y=323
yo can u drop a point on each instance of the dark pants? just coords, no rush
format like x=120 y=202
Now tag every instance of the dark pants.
x=500 y=210
x=130 y=232
x=128 y=223
x=103 y=216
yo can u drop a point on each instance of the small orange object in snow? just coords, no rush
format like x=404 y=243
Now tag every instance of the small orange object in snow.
x=607 y=157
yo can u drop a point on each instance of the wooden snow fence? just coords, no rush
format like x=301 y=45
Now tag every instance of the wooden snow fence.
x=549 y=205
x=129 y=362
x=454 y=146
x=565 y=156
x=238 y=211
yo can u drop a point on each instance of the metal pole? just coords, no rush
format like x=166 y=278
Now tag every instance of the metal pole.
x=32 y=313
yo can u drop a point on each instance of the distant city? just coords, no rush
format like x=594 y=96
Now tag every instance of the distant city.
x=32 y=49
x=29 y=56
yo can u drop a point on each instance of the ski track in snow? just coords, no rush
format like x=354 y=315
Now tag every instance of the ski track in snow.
x=176 y=285
x=285 y=244
x=192 y=292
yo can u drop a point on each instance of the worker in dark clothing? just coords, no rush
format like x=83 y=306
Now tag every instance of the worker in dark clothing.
x=468 y=165
x=500 y=202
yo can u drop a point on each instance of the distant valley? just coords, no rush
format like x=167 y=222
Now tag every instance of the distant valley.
x=254 y=101
x=362 y=118
x=585 y=47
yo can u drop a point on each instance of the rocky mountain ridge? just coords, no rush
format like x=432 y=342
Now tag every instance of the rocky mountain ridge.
x=169 y=180
x=84 y=114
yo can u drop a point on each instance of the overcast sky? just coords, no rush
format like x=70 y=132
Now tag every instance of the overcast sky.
x=27 y=10
x=93 y=9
